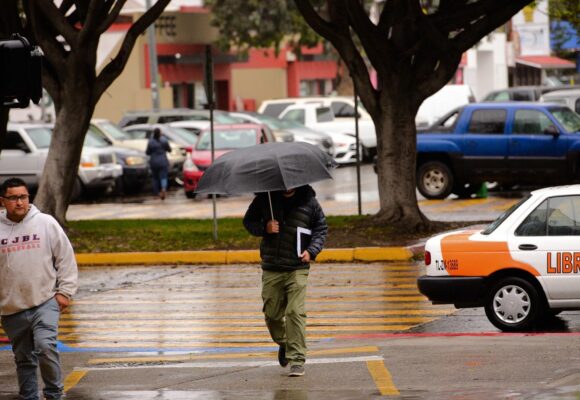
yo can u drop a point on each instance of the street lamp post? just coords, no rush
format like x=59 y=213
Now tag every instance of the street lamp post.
x=153 y=62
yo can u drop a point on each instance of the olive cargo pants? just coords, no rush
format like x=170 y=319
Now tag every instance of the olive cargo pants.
x=284 y=294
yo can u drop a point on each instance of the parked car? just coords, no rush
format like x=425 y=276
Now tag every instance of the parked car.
x=342 y=106
x=138 y=140
x=522 y=267
x=26 y=149
x=281 y=135
x=569 y=98
x=448 y=98
x=226 y=138
x=172 y=115
x=134 y=163
x=508 y=143
x=182 y=137
x=320 y=118
x=523 y=93
x=110 y=132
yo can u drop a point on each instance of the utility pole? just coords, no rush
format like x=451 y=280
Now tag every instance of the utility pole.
x=153 y=69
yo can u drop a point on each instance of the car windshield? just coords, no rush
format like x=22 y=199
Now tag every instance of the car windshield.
x=218 y=117
x=187 y=136
x=40 y=136
x=228 y=139
x=93 y=139
x=113 y=131
x=277 y=123
x=568 y=118
x=493 y=226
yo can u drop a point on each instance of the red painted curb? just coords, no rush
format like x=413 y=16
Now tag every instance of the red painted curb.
x=453 y=334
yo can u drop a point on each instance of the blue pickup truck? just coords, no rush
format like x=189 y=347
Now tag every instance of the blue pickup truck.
x=508 y=143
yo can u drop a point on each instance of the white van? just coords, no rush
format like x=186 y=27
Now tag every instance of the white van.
x=570 y=98
x=446 y=99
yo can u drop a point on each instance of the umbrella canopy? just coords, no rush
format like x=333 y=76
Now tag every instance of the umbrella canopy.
x=266 y=167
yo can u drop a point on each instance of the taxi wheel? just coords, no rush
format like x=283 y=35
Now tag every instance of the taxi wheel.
x=514 y=305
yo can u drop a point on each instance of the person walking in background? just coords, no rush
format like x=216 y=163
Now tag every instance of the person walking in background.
x=38 y=277
x=157 y=149
x=293 y=230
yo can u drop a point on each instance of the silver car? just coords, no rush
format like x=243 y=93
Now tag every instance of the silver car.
x=26 y=149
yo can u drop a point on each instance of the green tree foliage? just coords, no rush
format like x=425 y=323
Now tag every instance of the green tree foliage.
x=564 y=11
x=260 y=24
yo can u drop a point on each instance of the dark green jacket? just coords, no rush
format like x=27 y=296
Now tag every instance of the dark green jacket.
x=279 y=251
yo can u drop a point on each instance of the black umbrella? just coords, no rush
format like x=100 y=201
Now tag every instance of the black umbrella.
x=265 y=168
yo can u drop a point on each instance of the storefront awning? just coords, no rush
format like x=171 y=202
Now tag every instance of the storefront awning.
x=545 y=62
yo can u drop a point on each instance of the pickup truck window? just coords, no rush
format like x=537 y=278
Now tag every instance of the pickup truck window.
x=342 y=109
x=296 y=115
x=522 y=96
x=532 y=122
x=40 y=137
x=487 y=122
x=276 y=109
x=499 y=96
x=324 y=114
x=14 y=142
x=568 y=118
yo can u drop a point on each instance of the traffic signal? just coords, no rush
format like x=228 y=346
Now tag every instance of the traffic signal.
x=20 y=69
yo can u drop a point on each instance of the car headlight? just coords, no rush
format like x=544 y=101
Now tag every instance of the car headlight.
x=134 y=160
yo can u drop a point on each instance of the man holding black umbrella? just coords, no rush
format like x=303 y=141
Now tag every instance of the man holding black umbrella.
x=293 y=230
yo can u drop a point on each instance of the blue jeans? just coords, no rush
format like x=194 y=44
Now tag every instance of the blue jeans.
x=33 y=335
x=159 y=176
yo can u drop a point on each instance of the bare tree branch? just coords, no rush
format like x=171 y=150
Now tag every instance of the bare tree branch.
x=88 y=30
x=501 y=13
x=57 y=20
x=115 y=67
x=111 y=17
x=53 y=50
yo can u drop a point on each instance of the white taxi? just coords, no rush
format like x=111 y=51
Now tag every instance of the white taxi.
x=522 y=267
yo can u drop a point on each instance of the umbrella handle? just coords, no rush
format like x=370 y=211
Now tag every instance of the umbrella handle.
x=271 y=209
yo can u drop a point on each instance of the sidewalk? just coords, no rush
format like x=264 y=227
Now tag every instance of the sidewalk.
x=360 y=254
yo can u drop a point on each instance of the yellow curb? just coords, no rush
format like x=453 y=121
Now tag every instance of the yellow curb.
x=335 y=255
x=243 y=256
x=237 y=256
x=382 y=253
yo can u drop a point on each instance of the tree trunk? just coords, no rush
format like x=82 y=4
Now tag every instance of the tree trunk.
x=396 y=165
x=61 y=168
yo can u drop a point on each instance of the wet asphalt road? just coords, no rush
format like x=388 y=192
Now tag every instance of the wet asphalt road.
x=196 y=332
x=338 y=196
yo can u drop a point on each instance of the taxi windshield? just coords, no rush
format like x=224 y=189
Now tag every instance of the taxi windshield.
x=493 y=226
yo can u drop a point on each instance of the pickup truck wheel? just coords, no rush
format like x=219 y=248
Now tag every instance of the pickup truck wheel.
x=514 y=304
x=434 y=180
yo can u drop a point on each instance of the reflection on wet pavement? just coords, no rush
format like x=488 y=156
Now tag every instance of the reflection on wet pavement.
x=219 y=307
x=199 y=308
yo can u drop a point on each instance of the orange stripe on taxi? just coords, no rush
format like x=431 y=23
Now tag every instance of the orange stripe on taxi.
x=464 y=257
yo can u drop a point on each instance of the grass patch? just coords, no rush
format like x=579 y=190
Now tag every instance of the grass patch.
x=109 y=236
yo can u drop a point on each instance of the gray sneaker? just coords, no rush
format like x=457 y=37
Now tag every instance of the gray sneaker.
x=296 y=370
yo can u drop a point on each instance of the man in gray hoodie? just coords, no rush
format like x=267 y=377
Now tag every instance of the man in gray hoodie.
x=38 y=277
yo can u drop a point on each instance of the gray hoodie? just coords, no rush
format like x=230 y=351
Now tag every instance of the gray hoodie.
x=36 y=262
